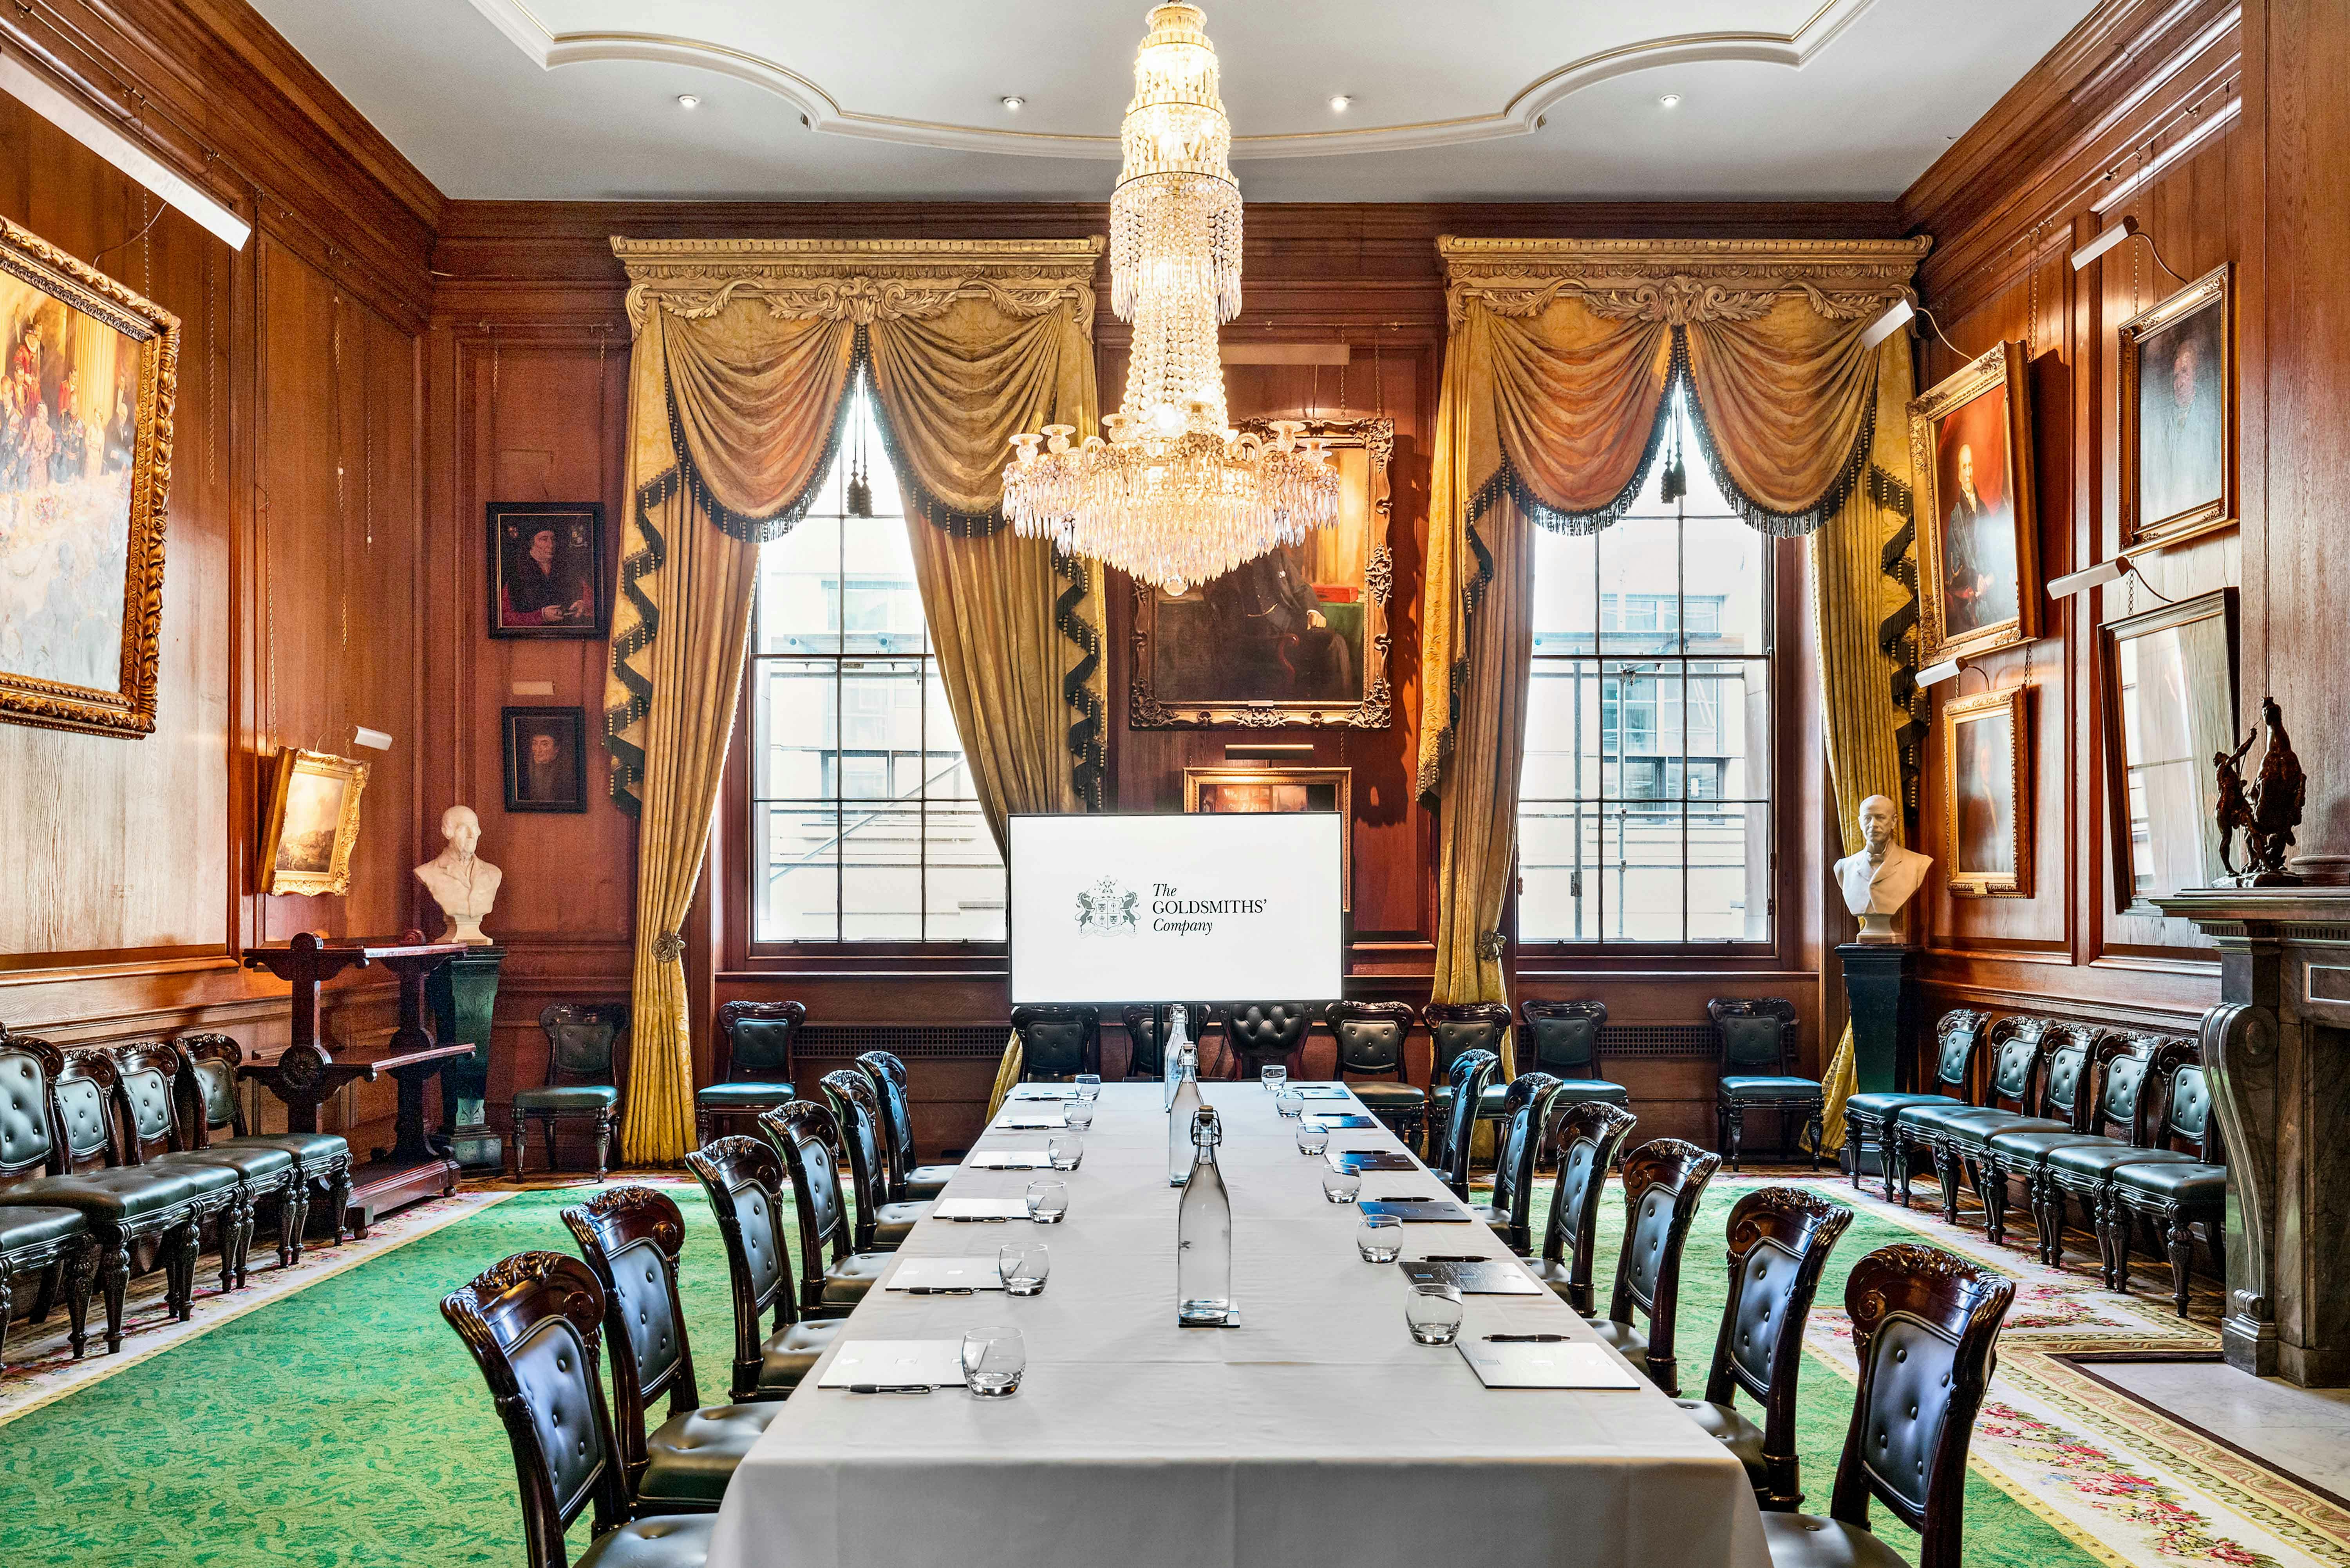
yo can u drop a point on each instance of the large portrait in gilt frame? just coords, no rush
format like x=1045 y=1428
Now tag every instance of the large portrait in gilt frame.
x=1978 y=571
x=1298 y=637
x=1987 y=778
x=1262 y=791
x=313 y=822
x=88 y=370
x=2178 y=415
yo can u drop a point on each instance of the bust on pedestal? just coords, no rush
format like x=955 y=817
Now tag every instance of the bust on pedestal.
x=1878 y=968
x=464 y=884
x=1884 y=875
x=463 y=991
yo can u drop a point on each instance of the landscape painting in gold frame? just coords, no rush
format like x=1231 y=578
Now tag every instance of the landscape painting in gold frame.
x=86 y=394
x=1987 y=780
x=1978 y=565
x=313 y=822
x=2178 y=415
x=1262 y=790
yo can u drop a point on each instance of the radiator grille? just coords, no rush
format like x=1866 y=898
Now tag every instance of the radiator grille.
x=847 y=1041
x=1618 y=1040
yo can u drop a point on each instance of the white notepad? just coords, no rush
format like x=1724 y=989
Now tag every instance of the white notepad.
x=1569 y=1365
x=1045 y=1092
x=1021 y=1118
x=966 y=1209
x=936 y=1363
x=1320 y=1091
x=947 y=1274
x=1010 y=1159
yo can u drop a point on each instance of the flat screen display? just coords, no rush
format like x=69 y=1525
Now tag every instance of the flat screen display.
x=1112 y=909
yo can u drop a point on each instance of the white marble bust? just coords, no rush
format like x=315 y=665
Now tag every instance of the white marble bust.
x=1883 y=876
x=462 y=883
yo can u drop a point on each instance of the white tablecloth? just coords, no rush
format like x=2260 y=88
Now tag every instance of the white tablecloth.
x=1316 y=1433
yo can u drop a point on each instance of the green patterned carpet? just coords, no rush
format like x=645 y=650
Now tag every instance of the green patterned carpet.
x=346 y=1425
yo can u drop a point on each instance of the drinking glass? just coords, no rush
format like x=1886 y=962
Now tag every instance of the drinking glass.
x=1341 y=1186
x=1024 y=1265
x=992 y=1361
x=1065 y=1151
x=1077 y=1113
x=1313 y=1137
x=1089 y=1086
x=1273 y=1078
x=1288 y=1103
x=1048 y=1201
x=1432 y=1311
x=1379 y=1238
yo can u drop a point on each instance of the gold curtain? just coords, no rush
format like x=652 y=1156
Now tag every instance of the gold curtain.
x=745 y=352
x=1855 y=601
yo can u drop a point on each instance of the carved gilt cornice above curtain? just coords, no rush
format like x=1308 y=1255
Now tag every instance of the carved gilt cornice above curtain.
x=1677 y=282
x=859 y=281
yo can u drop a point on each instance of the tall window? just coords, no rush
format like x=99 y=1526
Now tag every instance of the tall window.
x=1644 y=808
x=864 y=824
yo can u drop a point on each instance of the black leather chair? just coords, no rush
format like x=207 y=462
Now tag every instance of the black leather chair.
x=1758 y=1038
x=631 y=1237
x=2010 y=1086
x=833 y=1276
x=758 y=1038
x=1925 y=1329
x=744 y=1179
x=532 y=1322
x=52 y=1242
x=2072 y=1095
x=1260 y=1034
x=1058 y=1042
x=1525 y=1128
x=1663 y=1181
x=1454 y=1027
x=213 y=1110
x=1961 y=1146
x=2175 y=1195
x=1869 y=1118
x=1370 y=1036
x=909 y=1182
x=1780 y=1238
x=145 y=1072
x=583 y=1040
x=2118 y=1128
x=1563 y=1038
x=880 y=1225
x=1589 y=1139
x=1472 y=1073
x=1146 y=1057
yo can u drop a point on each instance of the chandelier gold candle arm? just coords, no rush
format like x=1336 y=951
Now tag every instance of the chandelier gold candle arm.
x=1173 y=496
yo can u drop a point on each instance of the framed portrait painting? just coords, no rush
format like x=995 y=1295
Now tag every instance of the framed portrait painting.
x=546 y=570
x=546 y=758
x=1298 y=637
x=313 y=824
x=2169 y=678
x=86 y=394
x=1978 y=572
x=1263 y=790
x=1987 y=778
x=2178 y=415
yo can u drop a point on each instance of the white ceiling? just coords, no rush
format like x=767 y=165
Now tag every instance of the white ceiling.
x=1458 y=100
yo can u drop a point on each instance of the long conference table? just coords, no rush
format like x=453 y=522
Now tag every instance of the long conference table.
x=1317 y=1432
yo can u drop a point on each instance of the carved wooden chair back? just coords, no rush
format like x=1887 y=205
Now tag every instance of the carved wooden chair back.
x=81 y=1093
x=1470 y=1073
x=534 y=1322
x=858 y=1114
x=631 y=1237
x=2186 y=1123
x=760 y=1038
x=744 y=1179
x=1454 y=1027
x=145 y=1073
x=2018 y=1047
x=1780 y=1238
x=1757 y=1037
x=2067 y=1073
x=1925 y=1329
x=1589 y=1136
x=1145 y=1054
x=1370 y=1036
x=1564 y=1035
x=1958 y=1042
x=1058 y=1042
x=1663 y=1181
x=30 y=1143
x=1259 y=1034
x=1526 y=1121
x=582 y=1040
x=893 y=1095
x=808 y=1137
x=2127 y=1063
x=209 y=1103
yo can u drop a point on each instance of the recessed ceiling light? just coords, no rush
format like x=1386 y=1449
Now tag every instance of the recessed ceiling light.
x=1669 y=101
x=1012 y=102
x=1339 y=102
x=688 y=101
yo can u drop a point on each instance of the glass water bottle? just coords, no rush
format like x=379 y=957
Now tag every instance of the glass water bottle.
x=1203 y=1232
x=1180 y=1115
x=1171 y=1050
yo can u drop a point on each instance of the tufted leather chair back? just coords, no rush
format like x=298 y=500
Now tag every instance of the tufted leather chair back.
x=2187 y=1117
x=1663 y=1181
x=631 y=1237
x=1058 y=1042
x=1259 y=1034
x=1925 y=1329
x=2068 y=1074
x=532 y=1324
x=2015 y=1055
x=81 y=1092
x=144 y=1075
x=859 y=1113
x=759 y=1037
x=582 y=1038
x=1757 y=1035
x=808 y=1137
x=1145 y=1053
x=744 y=1179
x=1564 y=1035
x=1780 y=1238
x=1471 y=1071
x=1961 y=1036
x=1454 y=1027
x=1589 y=1136
x=209 y=1106
x=1525 y=1118
x=886 y=1073
x=28 y=1136
x=1370 y=1036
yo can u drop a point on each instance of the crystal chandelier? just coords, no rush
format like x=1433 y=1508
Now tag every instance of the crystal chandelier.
x=1174 y=496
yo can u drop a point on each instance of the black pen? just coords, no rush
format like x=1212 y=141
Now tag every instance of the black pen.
x=937 y=1290
x=889 y=1388
x=1452 y=1258
x=976 y=1218
x=1524 y=1338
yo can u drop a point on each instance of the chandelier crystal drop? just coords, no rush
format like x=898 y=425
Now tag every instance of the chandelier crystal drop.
x=1173 y=496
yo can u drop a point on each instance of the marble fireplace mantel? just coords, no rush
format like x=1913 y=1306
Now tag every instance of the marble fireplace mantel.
x=2277 y=1053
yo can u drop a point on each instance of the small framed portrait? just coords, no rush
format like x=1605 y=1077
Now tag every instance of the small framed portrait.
x=1264 y=789
x=546 y=570
x=1986 y=770
x=313 y=824
x=1978 y=572
x=2169 y=678
x=547 y=758
x=2178 y=415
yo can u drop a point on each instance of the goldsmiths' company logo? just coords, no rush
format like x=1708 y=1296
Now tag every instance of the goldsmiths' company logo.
x=1109 y=908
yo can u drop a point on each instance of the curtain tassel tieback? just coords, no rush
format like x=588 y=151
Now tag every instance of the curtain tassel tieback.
x=669 y=947
x=1492 y=944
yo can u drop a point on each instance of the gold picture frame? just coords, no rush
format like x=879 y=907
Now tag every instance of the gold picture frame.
x=1987 y=784
x=2183 y=484
x=1195 y=666
x=1978 y=561
x=81 y=498
x=2168 y=687
x=313 y=822
x=1260 y=790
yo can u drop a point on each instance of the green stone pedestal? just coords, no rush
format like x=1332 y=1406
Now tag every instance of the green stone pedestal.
x=463 y=994
x=1880 y=986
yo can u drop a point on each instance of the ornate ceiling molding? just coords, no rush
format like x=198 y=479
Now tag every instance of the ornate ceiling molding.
x=857 y=280
x=1679 y=281
x=1521 y=116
